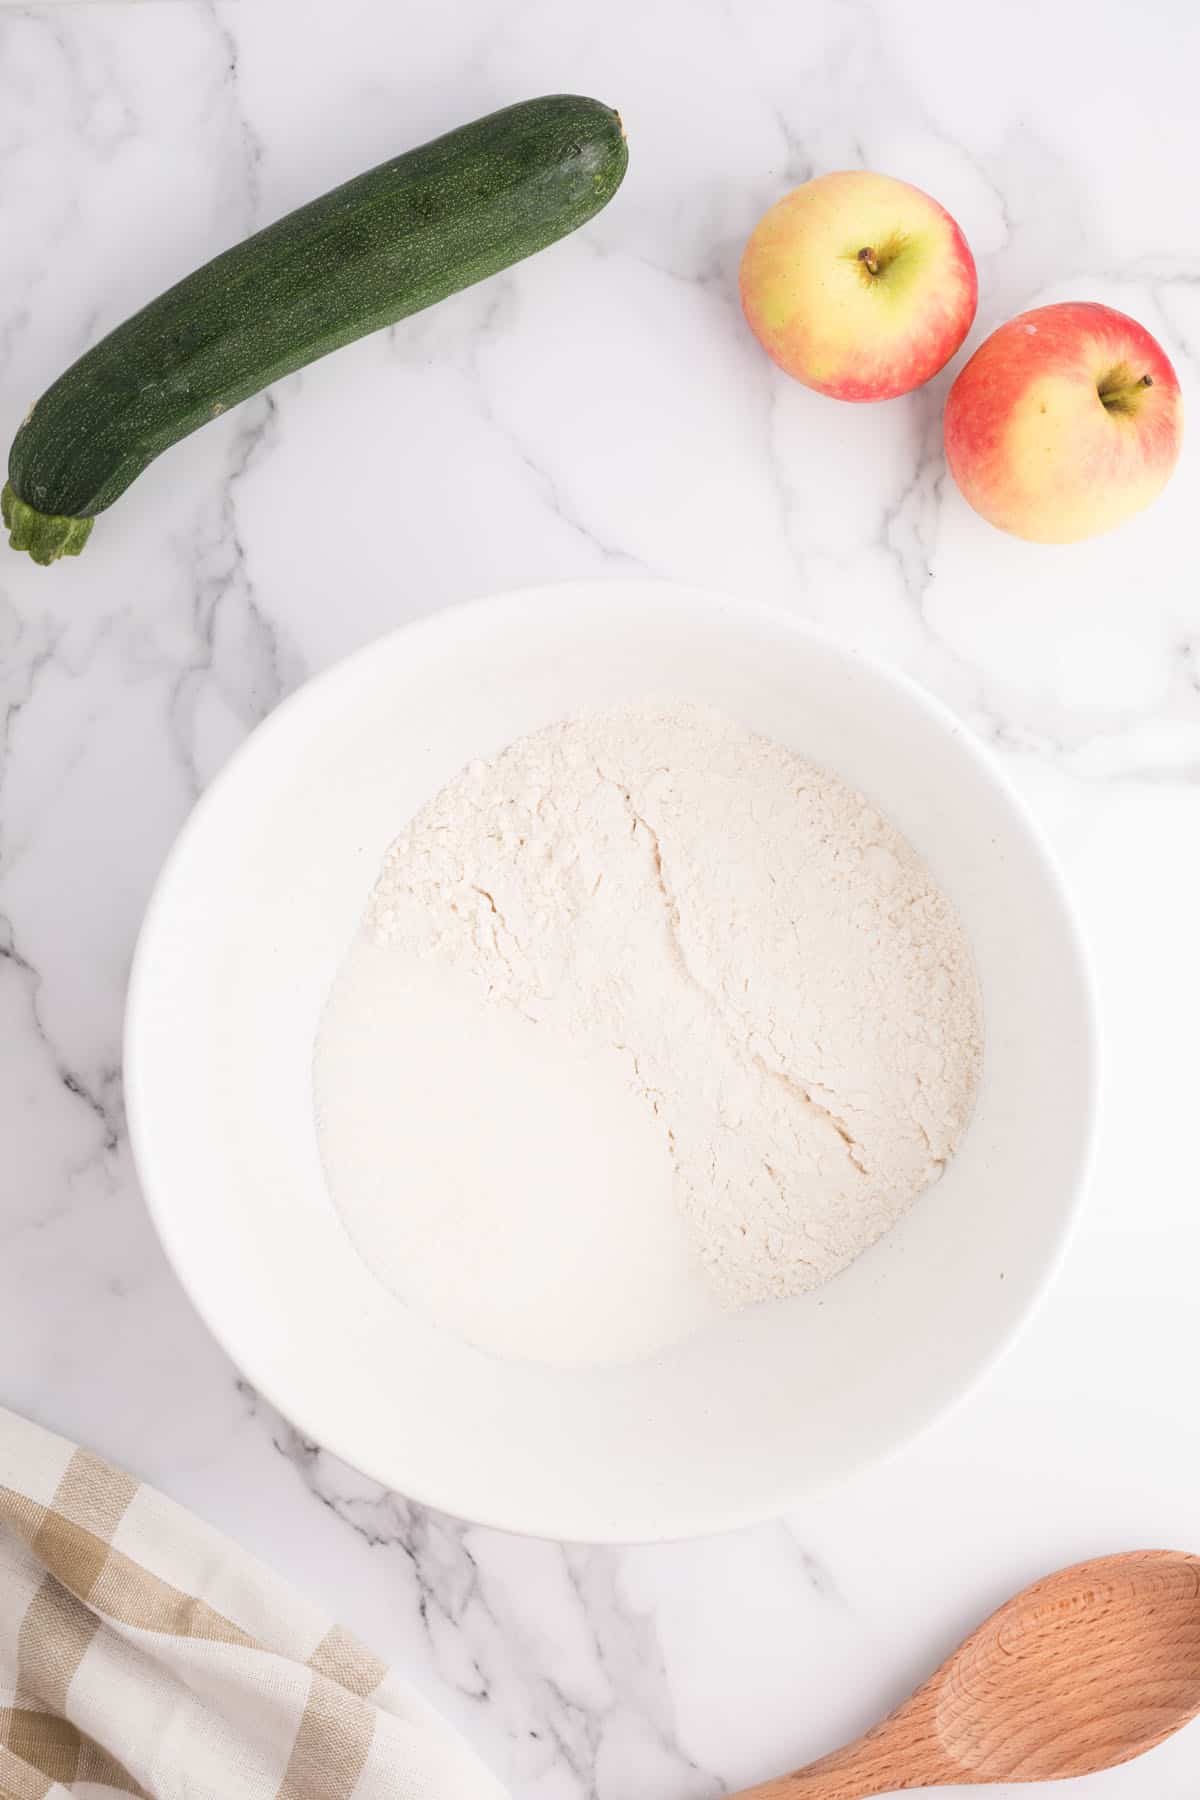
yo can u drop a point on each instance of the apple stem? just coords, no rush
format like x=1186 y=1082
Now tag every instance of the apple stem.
x=869 y=260
x=1116 y=399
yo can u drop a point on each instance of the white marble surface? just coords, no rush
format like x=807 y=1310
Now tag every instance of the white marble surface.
x=599 y=411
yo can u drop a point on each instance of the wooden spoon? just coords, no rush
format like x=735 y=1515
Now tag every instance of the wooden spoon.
x=1082 y=1671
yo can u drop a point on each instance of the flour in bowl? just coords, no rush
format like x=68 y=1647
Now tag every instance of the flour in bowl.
x=730 y=961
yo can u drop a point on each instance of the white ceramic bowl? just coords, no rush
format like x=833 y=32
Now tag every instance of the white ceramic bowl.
x=252 y=914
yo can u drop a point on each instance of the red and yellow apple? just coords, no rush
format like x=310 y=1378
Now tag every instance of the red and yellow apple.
x=859 y=285
x=1065 y=422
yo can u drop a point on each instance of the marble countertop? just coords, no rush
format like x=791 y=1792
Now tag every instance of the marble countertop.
x=601 y=411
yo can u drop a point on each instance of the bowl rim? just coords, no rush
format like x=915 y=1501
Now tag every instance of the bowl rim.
x=703 y=1520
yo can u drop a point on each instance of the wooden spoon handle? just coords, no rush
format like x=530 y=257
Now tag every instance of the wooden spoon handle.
x=828 y=1779
x=895 y=1756
x=821 y=1781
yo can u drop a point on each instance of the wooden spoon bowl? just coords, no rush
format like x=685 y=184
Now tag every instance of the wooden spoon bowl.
x=1082 y=1671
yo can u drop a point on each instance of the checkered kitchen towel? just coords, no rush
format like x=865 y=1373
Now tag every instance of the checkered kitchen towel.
x=143 y=1653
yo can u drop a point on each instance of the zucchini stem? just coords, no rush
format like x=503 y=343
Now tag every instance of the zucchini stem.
x=46 y=536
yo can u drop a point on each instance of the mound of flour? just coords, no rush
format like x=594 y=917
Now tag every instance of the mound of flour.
x=764 y=962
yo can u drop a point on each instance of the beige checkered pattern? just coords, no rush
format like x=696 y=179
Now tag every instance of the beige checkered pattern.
x=141 y=1653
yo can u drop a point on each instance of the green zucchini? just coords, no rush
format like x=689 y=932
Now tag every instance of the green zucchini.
x=384 y=245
